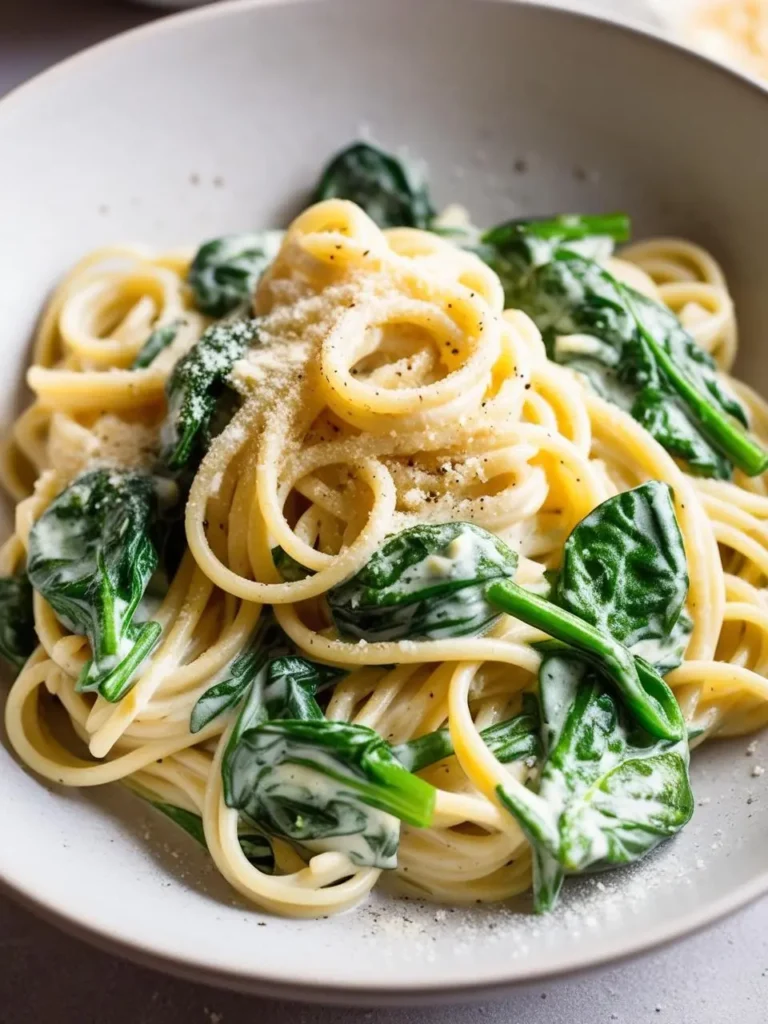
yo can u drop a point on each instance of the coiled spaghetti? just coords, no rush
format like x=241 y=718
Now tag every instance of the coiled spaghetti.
x=391 y=388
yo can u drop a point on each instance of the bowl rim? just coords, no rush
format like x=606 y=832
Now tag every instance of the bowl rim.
x=361 y=992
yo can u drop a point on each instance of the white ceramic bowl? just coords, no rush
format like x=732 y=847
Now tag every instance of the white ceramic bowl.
x=219 y=119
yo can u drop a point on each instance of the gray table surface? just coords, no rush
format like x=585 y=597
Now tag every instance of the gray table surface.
x=718 y=976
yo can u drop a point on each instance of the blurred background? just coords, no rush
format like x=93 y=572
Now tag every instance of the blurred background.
x=734 y=31
x=35 y=33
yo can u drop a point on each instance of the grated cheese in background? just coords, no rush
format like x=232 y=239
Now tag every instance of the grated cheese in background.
x=734 y=32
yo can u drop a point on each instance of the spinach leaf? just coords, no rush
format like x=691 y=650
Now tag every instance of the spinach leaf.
x=690 y=373
x=391 y=192
x=610 y=789
x=514 y=248
x=633 y=351
x=190 y=822
x=234 y=679
x=257 y=850
x=17 y=622
x=608 y=793
x=269 y=682
x=291 y=570
x=624 y=570
x=313 y=781
x=424 y=583
x=548 y=878
x=158 y=341
x=91 y=557
x=513 y=740
x=292 y=682
x=271 y=679
x=198 y=389
x=256 y=847
x=284 y=687
x=225 y=271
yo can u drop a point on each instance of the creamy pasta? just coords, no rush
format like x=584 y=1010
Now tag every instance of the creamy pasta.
x=376 y=382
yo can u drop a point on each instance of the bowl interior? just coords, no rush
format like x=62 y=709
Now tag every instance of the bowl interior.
x=219 y=121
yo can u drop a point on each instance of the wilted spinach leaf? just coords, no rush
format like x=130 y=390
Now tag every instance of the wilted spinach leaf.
x=609 y=790
x=645 y=692
x=198 y=389
x=225 y=271
x=514 y=248
x=624 y=570
x=17 y=622
x=291 y=570
x=608 y=793
x=327 y=785
x=267 y=640
x=273 y=680
x=158 y=341
x=431 y=582
x=424 y=583
x=391 y=192
x=284 y=687
x=91 y=557
x=291 y=684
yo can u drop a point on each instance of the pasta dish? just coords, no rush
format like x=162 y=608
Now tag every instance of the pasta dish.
x=386 y=547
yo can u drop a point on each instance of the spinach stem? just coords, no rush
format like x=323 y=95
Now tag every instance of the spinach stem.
x=731 y=439
x=396 y=791
x=565 y=228
x=109 y=638
x=511 y=740
x=603 y=650
x=114 y=686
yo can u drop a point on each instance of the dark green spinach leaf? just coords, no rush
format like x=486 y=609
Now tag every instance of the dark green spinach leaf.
x=17 y=621
x=232 y=682
x=431 y=582
x=391 y=192
x=624 y=570
x=327 y=785
x=225 y=271
x=424 y=583
x=645 y=692
x=608 y=793
x=516 y=247
x=158 y=341
x=269 y=678
x=189 y=821
x=198 y=390
x=291 y=570
x=284 y=687
x=291 y=685
x=91 y=557
x=610 y=789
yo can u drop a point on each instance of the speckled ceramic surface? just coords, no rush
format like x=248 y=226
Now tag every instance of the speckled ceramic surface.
x=219 y=119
